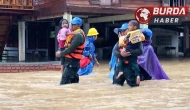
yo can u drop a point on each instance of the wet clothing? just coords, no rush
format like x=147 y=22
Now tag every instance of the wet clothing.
x=150 y=65
x=77 y=53
x=144 y=75
x=128 y=75
x=71 y=64
x=112 y=63
x=89 y=49
x=62 y=58
x=131 y=59
x=129 y=72
x=76 y=41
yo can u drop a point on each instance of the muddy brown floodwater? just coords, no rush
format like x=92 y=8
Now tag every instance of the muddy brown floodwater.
x=41 y=91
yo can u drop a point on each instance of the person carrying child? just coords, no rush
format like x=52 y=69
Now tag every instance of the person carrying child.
x=134 y=36
x=127 y=67
x=72 y=54
x=62 y=35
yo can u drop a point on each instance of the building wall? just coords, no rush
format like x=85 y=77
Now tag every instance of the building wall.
x=140 y=3
x=188 y=3
x=124 y=3
x=161 y=48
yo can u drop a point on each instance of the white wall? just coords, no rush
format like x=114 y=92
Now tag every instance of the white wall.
x=162 y=32
x=21 y=41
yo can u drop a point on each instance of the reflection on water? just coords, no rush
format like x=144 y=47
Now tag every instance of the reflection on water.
x=41 y=91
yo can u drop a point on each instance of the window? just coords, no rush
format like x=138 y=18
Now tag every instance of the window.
x=106 y=2
x=163 y=40
x=177 y=3
x=173 y=2
x=116 y=2
x=94 y=1
x=165 y=2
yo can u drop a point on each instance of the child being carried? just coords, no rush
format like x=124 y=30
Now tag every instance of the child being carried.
x=130 y=42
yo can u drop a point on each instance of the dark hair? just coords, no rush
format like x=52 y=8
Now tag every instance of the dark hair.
x=135 y=23
x=60 y=23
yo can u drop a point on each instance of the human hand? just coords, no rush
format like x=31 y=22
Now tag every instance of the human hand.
x=97 y=64
x=141 y=58
x=124 y=53
x=58 y=54
x=90 y=57
x=110 y=68
x=138 y=80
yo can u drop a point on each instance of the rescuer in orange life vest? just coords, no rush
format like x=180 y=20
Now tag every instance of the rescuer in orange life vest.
x=73 y=52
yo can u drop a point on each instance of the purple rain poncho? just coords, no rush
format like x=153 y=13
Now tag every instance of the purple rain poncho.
x=150 y=63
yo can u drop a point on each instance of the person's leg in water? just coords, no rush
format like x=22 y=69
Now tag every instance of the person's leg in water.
x=62 y=65
x=136 y=69
x=70 y=72
x=123 y=61
x=132 y=79
x=118 y=81
x=138 y=80
x=120 y=73
x=119 y=67
x=144 y=75
x=62 y=62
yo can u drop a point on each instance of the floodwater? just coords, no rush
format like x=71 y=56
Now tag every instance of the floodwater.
x=41 y=91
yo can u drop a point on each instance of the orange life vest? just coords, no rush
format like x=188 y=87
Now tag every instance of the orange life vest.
x=78 y=52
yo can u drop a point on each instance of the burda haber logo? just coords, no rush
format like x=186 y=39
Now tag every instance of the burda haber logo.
x=161 y=15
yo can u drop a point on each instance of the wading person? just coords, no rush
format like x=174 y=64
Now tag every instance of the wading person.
x=130 y=42
x=89 y=57
x=61 y=38
x=129 y=74
x=150 y=67
x=73 y=52
x=113 y=60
